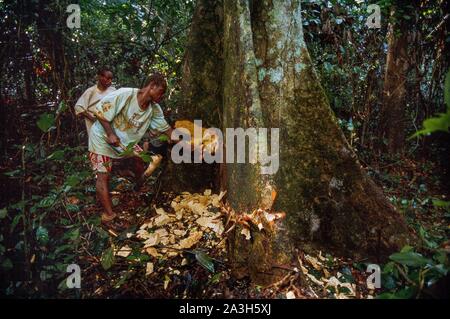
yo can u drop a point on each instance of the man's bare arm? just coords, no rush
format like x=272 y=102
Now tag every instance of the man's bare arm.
x=89 y=116
x=111 y=137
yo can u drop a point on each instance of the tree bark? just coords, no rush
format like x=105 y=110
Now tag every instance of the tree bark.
x=201 y=96
x=392 y=119
x=268 y=81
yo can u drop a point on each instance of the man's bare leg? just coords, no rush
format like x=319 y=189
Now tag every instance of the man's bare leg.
x=103 y=194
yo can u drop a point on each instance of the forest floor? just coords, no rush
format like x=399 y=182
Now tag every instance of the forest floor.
x=175 y=244
x=176 y=248
x=185 y=274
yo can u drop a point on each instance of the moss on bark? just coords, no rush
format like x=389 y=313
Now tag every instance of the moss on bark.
x=330 y=203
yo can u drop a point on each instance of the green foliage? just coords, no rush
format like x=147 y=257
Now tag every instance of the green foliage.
x=46 y=122
x=435 y=124
x=46 y=227
x=163 y=138
x=204 y=260
x=129 y=151
x=442 y=121
x=108 y=259
x=42 y=235
x=447 y=90
x=410 y=258
x=57 y=155
x=3 y=213
x=441 y=203
x=410 y=274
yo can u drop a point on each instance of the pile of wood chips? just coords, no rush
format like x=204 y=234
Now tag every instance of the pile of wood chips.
x=195 y=222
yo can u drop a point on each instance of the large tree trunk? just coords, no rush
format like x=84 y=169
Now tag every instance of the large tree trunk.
x=392 y=119
x=330 y=203
x=201 y=93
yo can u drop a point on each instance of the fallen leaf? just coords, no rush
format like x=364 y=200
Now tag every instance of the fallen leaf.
x=204 y=260
x=108 y=259
x=73 y=200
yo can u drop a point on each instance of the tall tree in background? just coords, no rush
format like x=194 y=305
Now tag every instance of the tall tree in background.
x=264 y=78
x=392 y=119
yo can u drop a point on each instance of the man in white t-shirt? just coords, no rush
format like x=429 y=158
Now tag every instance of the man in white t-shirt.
x=86 y=103
x=123 y=117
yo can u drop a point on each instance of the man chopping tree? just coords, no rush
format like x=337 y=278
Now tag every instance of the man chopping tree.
x=124 y=116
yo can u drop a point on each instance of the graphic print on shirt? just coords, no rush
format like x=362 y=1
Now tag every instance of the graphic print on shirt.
x=135 y=122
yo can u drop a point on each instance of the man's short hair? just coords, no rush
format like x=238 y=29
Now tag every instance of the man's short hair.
x=157 y=79
x=102 y=70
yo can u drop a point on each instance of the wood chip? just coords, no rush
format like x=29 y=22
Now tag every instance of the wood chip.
x=125 y=251
x=190 y=241
x=290 y=295
x=314 y=262
x=149 y=269
x=179 y=232
x=162 y=220
x=153 y=240
x=246 y=233
x=152 y=252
